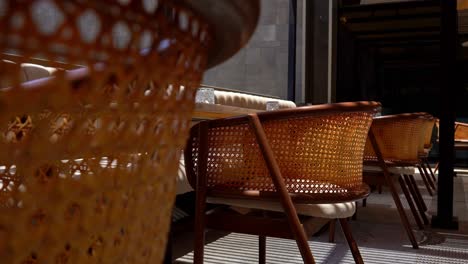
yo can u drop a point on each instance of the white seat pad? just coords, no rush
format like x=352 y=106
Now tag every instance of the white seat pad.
x=330 y=211
x=248 y=101
x=393 y=170
x=183 y=185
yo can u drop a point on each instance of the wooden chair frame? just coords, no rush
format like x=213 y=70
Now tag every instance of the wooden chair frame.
x=407 y=184
x=459 y=145
x=424 y=167
x=256 y=225
x=387 y=180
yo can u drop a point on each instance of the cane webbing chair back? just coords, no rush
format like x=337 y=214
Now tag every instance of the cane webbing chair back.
x=461 y=131
x=318 y=150
x=429 y=124
x=88 y=156
x=426 y=133
x=398 y=138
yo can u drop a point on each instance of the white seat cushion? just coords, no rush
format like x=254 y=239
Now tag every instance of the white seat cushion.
x=248 y=101
x=183 y=185
x=35 y=71
x=330 y=211
x=4 y=82
x=393 y=170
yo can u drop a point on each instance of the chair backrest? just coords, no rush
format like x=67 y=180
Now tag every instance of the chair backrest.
x=429 y=124
x=319 y=150
x=398 y=137
x=86 y=156
x=426 y=133
x=461 y=131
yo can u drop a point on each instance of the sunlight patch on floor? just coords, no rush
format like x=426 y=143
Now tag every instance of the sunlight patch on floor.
x=239 y=248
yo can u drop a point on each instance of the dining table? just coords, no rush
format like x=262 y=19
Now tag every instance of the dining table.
x=212 y=111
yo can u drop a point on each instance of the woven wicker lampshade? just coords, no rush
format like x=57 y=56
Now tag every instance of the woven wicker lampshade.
x=88 y=155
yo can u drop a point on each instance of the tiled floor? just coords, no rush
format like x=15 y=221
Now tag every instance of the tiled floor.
x=377 y=231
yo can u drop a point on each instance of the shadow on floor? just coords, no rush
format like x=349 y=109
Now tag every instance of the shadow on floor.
x=377 y=230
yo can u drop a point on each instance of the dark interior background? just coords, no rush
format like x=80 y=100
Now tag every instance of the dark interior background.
x=391 y=53
x=400 y=70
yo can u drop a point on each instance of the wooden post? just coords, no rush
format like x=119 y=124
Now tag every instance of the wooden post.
x=448 y=88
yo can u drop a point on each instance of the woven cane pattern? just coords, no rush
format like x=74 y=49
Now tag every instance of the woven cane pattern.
x=398 y=138
x=88 y=156
x=318 y=155
x=461 y=131
x=428 y=128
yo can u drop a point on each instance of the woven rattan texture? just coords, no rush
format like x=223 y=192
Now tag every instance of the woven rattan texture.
x=320 y=156
x=428 y=129
x=398 y=138
x=461 y=131
x=89 y=158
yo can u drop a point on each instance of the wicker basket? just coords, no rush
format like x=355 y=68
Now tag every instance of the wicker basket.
x=87 y=155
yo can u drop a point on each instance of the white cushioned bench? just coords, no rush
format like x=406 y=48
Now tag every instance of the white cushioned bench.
x=248 y=101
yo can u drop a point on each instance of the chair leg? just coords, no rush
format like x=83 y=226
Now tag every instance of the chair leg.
x=428 y=176
x=301 y=240
x=416 y=195
x=200 y=197
x=331 y=231
x=410 y=203
x=436 y=169
x=351 y=242
x=261 y=249
x=199 y=230
x=401 y=212
x=297 y=229
x=430 y=169
x=426 y=181
x=354 y=217
x=168 y=254
x=364 y=202
x=199 y=246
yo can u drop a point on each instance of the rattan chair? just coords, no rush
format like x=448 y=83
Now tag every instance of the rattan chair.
x=461 y=138
x=305 y=161
x=89 y=156
x=425 y=146
x=391 y=156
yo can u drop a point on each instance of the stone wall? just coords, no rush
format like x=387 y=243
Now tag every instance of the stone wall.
x=262 y=66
